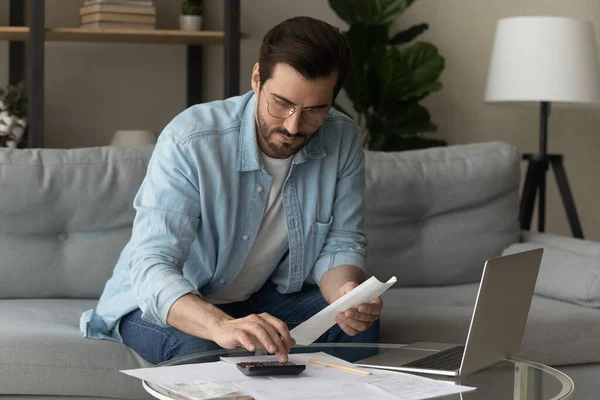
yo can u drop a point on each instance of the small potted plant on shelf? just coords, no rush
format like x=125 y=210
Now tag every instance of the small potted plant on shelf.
x=191 y=15
x=13 y=115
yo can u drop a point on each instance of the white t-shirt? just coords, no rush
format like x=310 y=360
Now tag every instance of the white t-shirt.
x=271 y=241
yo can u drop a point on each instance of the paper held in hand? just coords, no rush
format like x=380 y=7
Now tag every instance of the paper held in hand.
x=310 y=330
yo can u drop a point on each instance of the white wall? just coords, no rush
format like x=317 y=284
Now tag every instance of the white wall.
x=94 y=89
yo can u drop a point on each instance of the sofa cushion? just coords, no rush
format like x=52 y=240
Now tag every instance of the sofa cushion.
x=65 y=216
x=557 y=333
x=43 y=353
x=434 y=216
x=566 y=275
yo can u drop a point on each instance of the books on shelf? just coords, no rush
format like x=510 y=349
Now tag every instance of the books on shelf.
x=116 y=17
x=116 y=8
x=116 y=25
x=142 y=3
x=126 y=14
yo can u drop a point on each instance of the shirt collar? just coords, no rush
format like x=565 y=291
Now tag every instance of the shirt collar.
x=248 y=158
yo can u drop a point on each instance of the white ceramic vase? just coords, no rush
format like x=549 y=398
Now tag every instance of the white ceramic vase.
x=12 y=128
x=190 y=22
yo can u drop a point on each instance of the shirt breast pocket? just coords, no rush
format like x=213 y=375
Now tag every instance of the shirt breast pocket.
x=319 y=232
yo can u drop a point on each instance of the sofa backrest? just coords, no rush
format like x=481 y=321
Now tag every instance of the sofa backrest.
x=434 y=216
x=65 y=216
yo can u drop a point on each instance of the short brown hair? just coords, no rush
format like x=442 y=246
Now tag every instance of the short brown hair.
x=312 y=47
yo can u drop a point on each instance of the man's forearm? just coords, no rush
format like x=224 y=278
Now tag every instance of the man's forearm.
x=336 y=277
x=194 y=316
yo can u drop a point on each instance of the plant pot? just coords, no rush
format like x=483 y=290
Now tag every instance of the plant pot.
x=12 y=129
x=190 y=22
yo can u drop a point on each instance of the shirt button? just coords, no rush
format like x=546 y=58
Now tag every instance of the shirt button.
x=259 y=189
x=223 y=281
x=245 y=237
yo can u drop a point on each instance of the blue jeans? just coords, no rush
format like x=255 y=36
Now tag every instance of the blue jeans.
x=157 y=344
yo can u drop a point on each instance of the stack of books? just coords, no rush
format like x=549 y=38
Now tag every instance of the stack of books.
x=124 y=14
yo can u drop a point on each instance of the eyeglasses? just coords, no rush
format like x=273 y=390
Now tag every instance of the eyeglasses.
x=282 y=109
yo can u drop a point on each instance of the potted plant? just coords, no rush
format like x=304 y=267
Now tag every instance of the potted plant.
x=191 y=15
x=13 y=114
x=388 y=82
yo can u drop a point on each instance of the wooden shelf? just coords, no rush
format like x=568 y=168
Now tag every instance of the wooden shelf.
x=98 y=35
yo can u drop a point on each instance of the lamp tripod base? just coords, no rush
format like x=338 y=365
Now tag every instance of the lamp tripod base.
x=535 y=183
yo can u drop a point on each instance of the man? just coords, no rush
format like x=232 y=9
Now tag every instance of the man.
x=244 y=201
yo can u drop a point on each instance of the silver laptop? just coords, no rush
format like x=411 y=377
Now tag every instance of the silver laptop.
x=497 y=325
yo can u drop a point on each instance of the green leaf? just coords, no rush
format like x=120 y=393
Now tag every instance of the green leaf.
x=189 y=7
x=15 y=100
x=409 y=34
x=389 y=10
x=425 y=62
x=363 y=39
x=343 y=9
x=413 y=143
x=419 y=92
x=377 y=142
x=386 y=84
x=410 y=114
x=381 y=73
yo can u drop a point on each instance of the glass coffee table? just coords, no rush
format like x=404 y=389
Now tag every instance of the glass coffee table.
x=513 y=379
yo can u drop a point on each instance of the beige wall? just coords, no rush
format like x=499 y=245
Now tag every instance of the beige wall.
x=463 y=30
x=94 y=89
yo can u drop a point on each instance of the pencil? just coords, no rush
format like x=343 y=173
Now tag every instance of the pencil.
x=342 y=367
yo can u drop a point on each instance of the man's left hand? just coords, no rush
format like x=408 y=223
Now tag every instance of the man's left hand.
x=359 y=319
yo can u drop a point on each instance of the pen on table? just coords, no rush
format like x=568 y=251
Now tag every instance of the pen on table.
x=342 y=367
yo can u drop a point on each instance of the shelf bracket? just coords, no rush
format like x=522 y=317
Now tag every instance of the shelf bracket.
x=35 y=72
x=16 y=50
x=194 y=75
x=232 y=48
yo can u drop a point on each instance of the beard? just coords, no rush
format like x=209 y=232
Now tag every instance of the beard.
x=271 y=135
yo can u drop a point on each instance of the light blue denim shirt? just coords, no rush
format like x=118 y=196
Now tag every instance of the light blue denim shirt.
x=201 y=203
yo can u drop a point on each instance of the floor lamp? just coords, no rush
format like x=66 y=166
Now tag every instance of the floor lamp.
x=550 y=61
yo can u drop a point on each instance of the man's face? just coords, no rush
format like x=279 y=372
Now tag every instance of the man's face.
x=282 y=137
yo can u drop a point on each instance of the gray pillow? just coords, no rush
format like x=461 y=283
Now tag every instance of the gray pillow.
x=565 y=275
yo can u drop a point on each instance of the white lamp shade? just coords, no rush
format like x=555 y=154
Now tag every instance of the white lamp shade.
x=133 y=138
x=552 y=59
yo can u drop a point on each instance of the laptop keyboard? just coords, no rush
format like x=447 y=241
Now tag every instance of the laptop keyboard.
x=447 y=360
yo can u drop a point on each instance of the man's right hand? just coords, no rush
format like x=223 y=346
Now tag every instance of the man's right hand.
x=252 y=332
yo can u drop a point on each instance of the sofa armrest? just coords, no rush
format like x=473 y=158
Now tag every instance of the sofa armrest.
x=570 y=269
x=579 y=246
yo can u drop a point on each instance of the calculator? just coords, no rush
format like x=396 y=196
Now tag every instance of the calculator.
x=258 y=368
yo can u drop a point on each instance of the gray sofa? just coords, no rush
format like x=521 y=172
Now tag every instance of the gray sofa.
x=433 y=218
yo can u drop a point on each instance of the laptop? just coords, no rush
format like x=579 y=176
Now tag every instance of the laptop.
x=496 y=329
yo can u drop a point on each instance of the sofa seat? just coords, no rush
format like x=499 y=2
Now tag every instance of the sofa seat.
x=557 y=333
x=42 y=352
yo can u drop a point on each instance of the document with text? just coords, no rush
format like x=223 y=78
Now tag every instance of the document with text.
x=310 y=330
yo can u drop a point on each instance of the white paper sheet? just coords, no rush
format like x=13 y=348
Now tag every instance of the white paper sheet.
x=313 y=389
x=214 y=372
x=316 y=382
x=403 y=386
x=310 y=330
x=202 y=390
x=413 y=387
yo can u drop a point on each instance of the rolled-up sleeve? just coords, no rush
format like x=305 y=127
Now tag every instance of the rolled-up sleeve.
x=167 y=216
x=345 y=241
